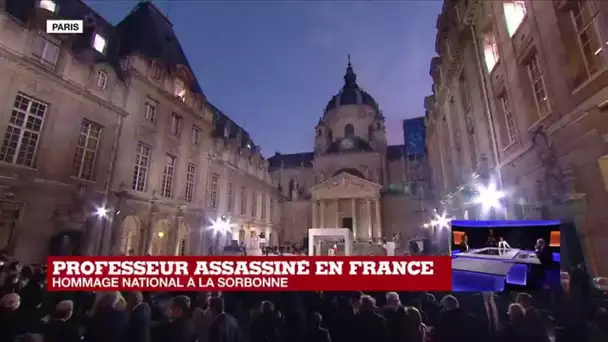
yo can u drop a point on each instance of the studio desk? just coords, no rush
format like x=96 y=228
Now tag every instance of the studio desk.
x=490 y=269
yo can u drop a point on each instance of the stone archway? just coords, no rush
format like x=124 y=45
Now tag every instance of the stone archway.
x=160 y=235
x=131 y=239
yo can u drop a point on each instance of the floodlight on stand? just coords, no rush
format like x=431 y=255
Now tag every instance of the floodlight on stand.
x=221 y=224
x=489 y=197
x=101 y=212
x=441 y=221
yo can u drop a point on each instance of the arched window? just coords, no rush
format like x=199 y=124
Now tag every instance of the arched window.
x=330 y=135
x=349 y=130
x=102 y=80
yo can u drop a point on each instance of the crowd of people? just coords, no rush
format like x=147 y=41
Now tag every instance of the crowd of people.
x=30 y=314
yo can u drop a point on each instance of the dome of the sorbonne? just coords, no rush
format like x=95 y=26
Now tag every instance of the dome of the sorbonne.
x=351 y=93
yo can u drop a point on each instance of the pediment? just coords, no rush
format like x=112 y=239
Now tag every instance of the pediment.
x=345 y=185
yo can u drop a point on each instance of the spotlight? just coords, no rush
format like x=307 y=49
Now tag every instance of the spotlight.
x=222 y=224
x=101 y=212
x=489 y=197
x=441 y=221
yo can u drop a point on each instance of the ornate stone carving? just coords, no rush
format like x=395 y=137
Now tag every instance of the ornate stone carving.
x=553 y=177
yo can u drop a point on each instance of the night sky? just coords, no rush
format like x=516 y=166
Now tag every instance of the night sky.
x=272 y=66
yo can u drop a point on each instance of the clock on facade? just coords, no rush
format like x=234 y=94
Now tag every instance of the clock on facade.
x=347 y=144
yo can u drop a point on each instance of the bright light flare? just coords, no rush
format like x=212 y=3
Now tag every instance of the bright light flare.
x=489 y=197
x=221 y=225
x=441 y=221
x=101 y=212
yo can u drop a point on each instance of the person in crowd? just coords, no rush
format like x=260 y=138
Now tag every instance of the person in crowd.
x=202 y=317
x=452 y=322
x=61 y=327
x=138 y=325
x=11 y=323
x=316 y=333
x=534 y=323
x=369 y=325
x=395 y=316
x=223 y=328
x=107 y=319
x=11 y=285
x=267 y=325
x=181 y=326
x=415 y=330
x=515 y=329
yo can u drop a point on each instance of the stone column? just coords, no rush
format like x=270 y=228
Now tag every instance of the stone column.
x=338 y=223
x=175 y=242
x=354 y=212
x=378 y=225
x=368 y=202
x=315 y=203
x=322 y=203
x=148 y=233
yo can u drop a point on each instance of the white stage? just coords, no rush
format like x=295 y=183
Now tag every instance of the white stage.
x=336 y=233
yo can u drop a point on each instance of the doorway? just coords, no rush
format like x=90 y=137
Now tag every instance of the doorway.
x=347 y=222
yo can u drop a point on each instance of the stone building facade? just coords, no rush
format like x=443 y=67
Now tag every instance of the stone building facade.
x=110 y=144
x=353 y=179
x=537 y=89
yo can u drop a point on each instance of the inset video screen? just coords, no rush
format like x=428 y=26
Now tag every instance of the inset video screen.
x=493 y=256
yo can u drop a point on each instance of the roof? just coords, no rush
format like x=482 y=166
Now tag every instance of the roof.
x=147 y=31
x=223 y=126
x=351 y=93
x=292 y=160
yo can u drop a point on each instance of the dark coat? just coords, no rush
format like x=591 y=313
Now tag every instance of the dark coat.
x=61 y=331
x=138 y=326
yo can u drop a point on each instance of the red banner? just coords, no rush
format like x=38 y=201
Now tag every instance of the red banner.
x=288 y=273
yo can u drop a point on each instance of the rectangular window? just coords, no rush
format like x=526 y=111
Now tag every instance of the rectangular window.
x=190 y=183
x=46 y=49
x=86 y=150
x=508 y=117
x=99 y=43
x=490 y=50
x=48 y=5
x=196 y=136
x=243 y=200
x=22 y=135
x=166 y=187
x=585 y=19
x=465 y=95
x=176 y=124
x=537 y=83
x=142 y=164
x=254 y=204
x=150 y=110
x=515 y=12
x=213 y=190
x=230 y=197
x=264 y=199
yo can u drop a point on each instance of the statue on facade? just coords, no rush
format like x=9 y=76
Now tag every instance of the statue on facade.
x=295 y=191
